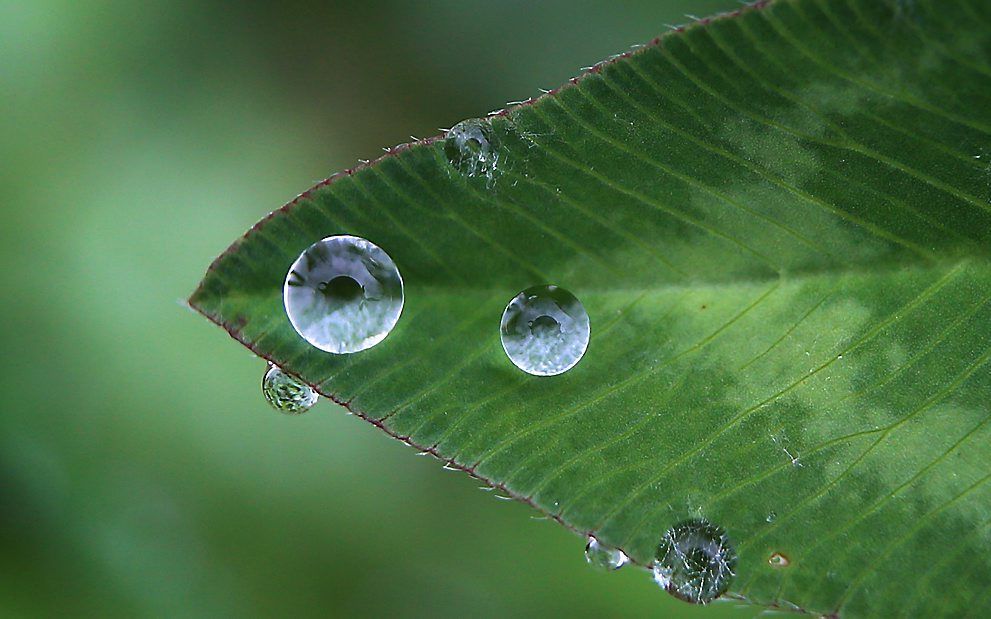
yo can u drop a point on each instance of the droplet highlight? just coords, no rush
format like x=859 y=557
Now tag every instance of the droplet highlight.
x=285 y=393
x=778 y=560
x=604 y=557
x=472 y=148
x=545 y=330
x=343 y=294
x=695 y=561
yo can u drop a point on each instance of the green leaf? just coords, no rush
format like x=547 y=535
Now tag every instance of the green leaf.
x=779 y=222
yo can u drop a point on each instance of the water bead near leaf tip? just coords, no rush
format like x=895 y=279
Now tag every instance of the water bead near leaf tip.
x=695 y=561
x=343 y=294
x=545 y=330
x=604 y=557
x=285 y=393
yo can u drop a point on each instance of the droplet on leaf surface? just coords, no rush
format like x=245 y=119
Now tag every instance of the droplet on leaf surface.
x=545 y=330
x=604 y=557
x=695 y=561
x=285 y=393
x=343 y=294
x=472 y=149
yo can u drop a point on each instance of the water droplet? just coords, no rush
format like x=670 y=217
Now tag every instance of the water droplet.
x=695 y=561
x=604 y=557
x=545 y=330
x=778 y=560
x=285 y=393
x=472 y=149
x=343 y=294
x=771 y=516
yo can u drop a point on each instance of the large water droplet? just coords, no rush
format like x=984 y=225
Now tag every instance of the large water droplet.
x=695 y=561
x=602 y=556
x=472 y=149
x=343 y=294
x=285 y=393
x=545 y=330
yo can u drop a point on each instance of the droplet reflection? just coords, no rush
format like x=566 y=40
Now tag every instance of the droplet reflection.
x=604 y=557
x=285 y=393
x=695 y=561
x=472 y=149
x=343 y=294
x=545 y=330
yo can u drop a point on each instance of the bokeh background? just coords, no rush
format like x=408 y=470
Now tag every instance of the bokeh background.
x=141 y=473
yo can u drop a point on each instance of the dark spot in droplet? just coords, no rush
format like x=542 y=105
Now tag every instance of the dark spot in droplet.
x=544 y=325
x=342 y=289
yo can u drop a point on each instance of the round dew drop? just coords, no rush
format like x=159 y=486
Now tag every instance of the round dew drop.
x=604 y=557
x=472 y=149
x=285 y=393
x=545 y=330
x=695 y=561
x=343 y=294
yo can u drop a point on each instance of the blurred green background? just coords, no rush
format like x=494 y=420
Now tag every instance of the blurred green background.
x=141 y=472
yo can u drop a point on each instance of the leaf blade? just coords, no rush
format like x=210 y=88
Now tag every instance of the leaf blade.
x=786 y=264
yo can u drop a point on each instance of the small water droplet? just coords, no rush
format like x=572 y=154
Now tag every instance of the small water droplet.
x=343 y=294
x=771 y=516
x=604 y=557
x=285 y=393
x=778 y=560
x=472 y=148
x=545 y=330
x=695 y=561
